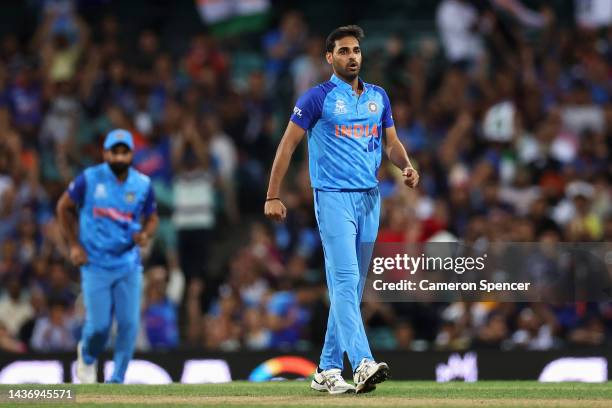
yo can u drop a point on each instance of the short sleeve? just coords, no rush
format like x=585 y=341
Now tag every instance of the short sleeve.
x=76 y=189
x=149 y=205
x=308 y=108
x=387 y=116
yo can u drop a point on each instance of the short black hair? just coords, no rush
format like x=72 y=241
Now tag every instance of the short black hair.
x=56 y=301
x=341 y=32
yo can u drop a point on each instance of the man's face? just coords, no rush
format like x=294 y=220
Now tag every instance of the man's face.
x=14 y=289
x=346 y=58
x=119 y=158
x=56 y=315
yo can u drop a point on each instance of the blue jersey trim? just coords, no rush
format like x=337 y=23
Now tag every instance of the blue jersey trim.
x=387 y=115
x=309 y=107
x=76 y=189
x=149 y=205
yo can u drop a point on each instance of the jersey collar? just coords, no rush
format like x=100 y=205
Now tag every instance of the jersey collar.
x=346 y=86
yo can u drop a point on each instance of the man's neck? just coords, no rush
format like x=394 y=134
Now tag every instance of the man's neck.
x=354 y=83
x=121 y=177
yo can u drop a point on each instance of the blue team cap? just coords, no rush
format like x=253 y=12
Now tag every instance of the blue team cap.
x=118 y=136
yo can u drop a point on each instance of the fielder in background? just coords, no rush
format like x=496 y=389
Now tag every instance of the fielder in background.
x=106 y=214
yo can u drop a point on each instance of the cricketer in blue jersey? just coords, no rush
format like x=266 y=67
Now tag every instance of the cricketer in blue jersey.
x=346 y=120
x=117 y=214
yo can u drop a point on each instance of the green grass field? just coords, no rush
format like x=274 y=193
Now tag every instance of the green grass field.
x=297 y=394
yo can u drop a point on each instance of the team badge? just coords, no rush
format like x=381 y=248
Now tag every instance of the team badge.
x=340 y=107
x=129 y=197
x=372 y=106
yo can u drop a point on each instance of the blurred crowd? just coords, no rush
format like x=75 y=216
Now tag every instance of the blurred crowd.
x=506 y=113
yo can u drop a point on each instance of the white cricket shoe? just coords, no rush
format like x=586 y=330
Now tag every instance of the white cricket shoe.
x=368 y=374
x=331 y=381
x=86 y=373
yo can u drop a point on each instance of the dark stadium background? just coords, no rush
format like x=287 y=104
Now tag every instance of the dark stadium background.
x=208 y=103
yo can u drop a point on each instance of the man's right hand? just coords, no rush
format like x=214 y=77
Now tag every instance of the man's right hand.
x=78 y=256
x=276 y=210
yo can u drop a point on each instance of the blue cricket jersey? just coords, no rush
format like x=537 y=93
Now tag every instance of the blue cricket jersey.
x=109 y=214
x=344 y=133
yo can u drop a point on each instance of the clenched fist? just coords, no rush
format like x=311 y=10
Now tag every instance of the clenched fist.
x=141 y=239
x=275 y=209
x=411 y=177
x=78 y=256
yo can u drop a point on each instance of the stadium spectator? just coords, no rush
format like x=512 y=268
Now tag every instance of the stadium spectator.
x=25 y=100
x=221 y=328
x=257 y=336
x=54 y=332
x=60 y=286
x=38 y=302
x=15 y=308
x=532 y=333
x=310 y=68
x=283 y=44
x=458 y=23
x=60 y=40
x=404 y=335
x=160 y=314
x=194 y=183
x=286 y=319
x=143 y=60
x=204 y=60
x=259 y=125
x=493 y=333
x=223 y=152
x=8 y=343
x=590 y=332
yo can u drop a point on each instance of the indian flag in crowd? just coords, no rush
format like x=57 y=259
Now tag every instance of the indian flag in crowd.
x=230 y=17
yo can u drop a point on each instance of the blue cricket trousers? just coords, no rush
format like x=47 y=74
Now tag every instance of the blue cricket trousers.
x=348 y=222
x=108 y=292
